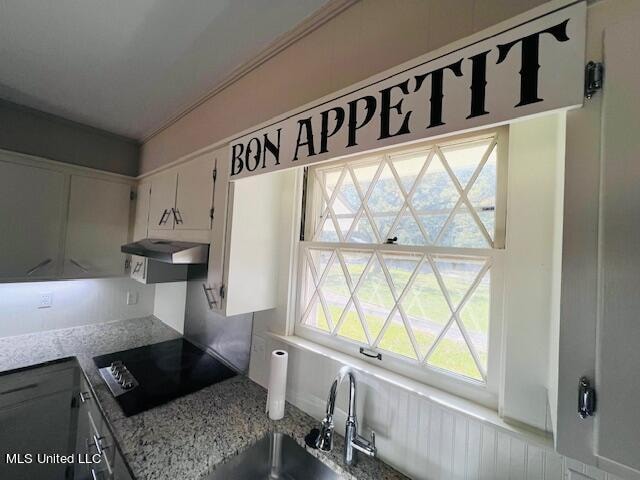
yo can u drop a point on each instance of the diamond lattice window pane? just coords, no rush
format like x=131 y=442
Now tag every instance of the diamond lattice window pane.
x=385 y=201
x=317 y=318
x=426 y=308
x=396 y=339
x=435 y=191
x=320 y=260
x=432 y=224
x=458 y=275
x=351 y=327
x=408 y=231
x=376 y=299
x=463 y=231
x=335 y=291
x=408 y=167
x=483 y=193
x=355 y=263
x=346 y=204
x=327 y=231
x=363 y=232
x=453 y=354
x=465 y=158
x=365 y=173
x=475 y=318
x=400 y=268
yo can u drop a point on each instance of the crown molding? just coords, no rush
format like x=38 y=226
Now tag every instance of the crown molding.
x=328 y=11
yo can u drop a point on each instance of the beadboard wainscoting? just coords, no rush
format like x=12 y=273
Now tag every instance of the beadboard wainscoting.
x=420 y=437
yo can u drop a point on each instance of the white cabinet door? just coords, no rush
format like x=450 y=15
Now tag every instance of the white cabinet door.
x=141 y=223
x=618 y=356
x=32 y=208
x=98 y=225
x=194 y=194
x=163 y=200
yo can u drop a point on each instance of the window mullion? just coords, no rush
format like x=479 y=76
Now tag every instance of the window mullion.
x=365 y=201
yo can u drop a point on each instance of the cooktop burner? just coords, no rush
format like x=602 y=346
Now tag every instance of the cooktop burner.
x=145 y=377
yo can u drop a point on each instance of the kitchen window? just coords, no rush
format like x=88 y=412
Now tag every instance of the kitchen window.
x=402 y=258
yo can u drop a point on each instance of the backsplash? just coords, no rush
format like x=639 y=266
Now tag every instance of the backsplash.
x=73 y=303
x=420 y=438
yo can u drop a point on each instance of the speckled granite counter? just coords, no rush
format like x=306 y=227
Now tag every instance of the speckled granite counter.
x=188 y=437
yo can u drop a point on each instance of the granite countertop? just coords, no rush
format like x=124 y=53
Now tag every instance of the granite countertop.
x=188 y=437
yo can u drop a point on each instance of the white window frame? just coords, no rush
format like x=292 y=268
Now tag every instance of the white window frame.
x=486 y=393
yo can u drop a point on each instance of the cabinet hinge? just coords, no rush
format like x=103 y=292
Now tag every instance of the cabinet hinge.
x=215 y=174
x=586 y=398
x=211 y=213
x=132 y=195
x=222 y=291
x=593 y=78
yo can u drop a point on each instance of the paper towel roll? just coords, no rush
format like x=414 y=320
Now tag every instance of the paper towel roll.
x=277 y=384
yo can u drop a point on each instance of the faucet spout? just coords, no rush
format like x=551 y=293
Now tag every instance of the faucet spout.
x=323 y=438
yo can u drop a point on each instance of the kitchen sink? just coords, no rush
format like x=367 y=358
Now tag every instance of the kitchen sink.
x=274 y=456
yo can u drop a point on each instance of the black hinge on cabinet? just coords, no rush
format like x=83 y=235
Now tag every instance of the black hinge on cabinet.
x=74 y=402
x=132 y=195
x=215 y=174
x=222 y=291
x=586 y=399
x=593 y=78
x=211 y=213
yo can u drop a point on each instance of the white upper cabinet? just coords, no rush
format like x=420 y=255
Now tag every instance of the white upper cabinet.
x=181 y=201
x=32 y=209
x=246 y=240
x=143 y=198
x=194 y=194
x=97 y=227
x=162 y=202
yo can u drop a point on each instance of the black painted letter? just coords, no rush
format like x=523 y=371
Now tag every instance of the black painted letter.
x=478 y=84
x=236 y=159
x=324 y=132
x=370 y=107
x=437 y=90
x=273 y=149
x=529 y=65
x=386 y=107
x=256 y=156
x=306 y=124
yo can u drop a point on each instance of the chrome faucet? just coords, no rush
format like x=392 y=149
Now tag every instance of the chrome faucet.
x=323 y=438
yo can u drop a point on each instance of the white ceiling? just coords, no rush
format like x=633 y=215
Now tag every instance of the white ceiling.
x=127 y=66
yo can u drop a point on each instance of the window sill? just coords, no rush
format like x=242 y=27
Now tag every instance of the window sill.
x=439 y=397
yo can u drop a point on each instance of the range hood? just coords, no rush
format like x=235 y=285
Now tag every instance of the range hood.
x=169 y=251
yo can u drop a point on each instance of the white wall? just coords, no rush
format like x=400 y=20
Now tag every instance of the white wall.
x=532 y=270
x=75 y=302
x=169 y=304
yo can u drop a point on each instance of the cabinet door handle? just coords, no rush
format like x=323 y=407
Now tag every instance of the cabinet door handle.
x=164 y=217
x=38 y=267
x=79 y=265
x=177 y=215
x=208 y=294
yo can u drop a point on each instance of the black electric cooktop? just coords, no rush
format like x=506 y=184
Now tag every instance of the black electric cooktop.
x=145 y=377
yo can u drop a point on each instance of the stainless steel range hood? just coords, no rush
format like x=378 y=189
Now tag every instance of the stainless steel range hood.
x=169 y=251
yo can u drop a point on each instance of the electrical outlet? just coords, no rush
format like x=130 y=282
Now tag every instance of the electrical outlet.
x=46 y=300
x=132 y=298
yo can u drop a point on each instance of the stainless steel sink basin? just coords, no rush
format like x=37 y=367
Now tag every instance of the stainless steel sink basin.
x=274 y=456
